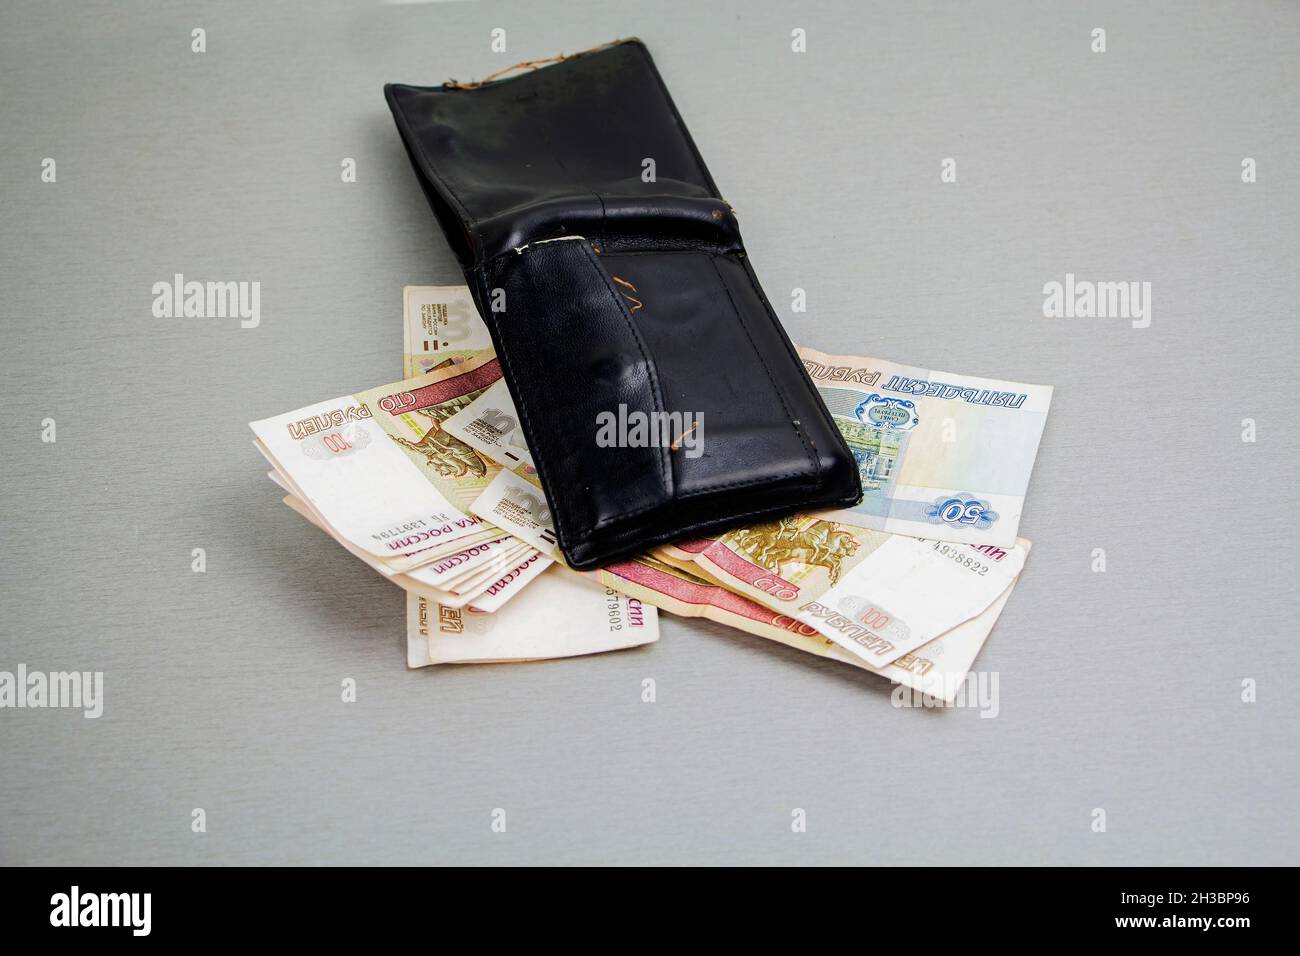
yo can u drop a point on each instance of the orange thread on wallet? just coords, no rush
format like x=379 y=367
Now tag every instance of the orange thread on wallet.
x=636 y=303
x=676 y=445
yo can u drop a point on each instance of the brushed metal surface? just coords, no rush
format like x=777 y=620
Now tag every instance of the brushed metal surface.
x=1118 y=690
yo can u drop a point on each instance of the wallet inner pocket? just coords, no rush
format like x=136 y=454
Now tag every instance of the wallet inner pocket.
x=709 y=332
x=572 y=354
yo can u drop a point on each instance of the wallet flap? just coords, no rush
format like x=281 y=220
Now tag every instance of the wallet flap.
x=505 y=149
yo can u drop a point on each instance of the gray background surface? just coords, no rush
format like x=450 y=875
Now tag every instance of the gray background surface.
x=1119 y=690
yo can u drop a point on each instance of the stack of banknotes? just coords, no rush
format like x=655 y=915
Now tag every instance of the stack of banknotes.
x=429 y=481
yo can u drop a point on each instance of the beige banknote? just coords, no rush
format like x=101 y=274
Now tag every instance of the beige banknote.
x=518 y=507
x=377 y=466
x=561 y=614
x=418 y=558
x=877 y=595
x=511 y=581
x=456 y=577
x=386 y=563
x=412 y=413
x=458 y=571
x=480 y=575
x=490 y=425
x=425 y=306
x=494 y=590
x=435 y=566
x=937 y=668
x=440 y=325
x=403 y=581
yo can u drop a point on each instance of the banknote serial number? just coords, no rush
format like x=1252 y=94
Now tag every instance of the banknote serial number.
x=961 y=557
x=406 y=527
x=614 y=605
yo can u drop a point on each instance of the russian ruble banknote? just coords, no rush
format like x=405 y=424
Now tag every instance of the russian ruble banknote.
x=375 y=466
x=514 y=501
x=517 y=507
x=427 y=557
x=440 y=324
x=879 y=596
x=938 y=668
x=563 y=614
x=376 y=471
x=488 y=588
x=451 y=509
x=941 y=455
x=482 y=576
x=490 y=425
x=517 y=504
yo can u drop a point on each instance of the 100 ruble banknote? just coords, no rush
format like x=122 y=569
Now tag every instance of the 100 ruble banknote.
x=879 y=596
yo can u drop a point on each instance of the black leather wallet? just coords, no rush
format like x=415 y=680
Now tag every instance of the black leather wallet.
x=616 y=288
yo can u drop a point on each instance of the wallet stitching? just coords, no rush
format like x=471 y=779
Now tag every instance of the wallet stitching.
x=604 y=213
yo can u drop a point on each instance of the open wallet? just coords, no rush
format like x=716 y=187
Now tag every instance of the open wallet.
x=614 y=283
